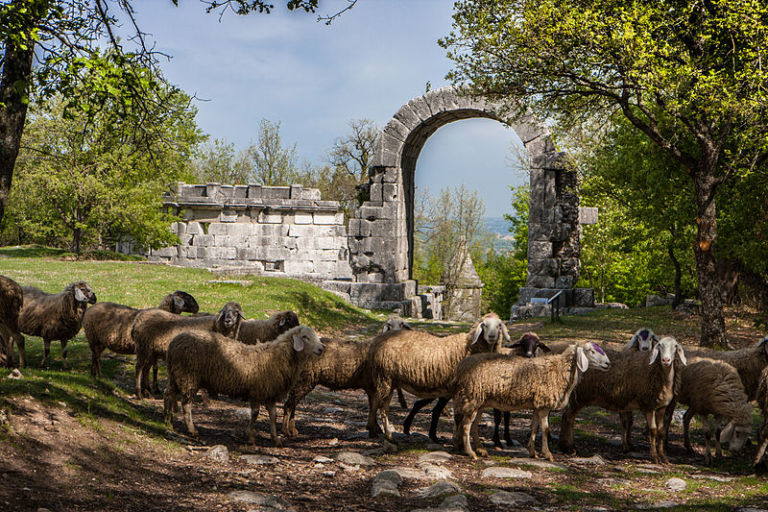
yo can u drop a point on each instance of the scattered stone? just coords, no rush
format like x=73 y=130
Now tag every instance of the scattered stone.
x=219 y=453
x=389 y=475
x=441 y=488
x=433 y=472
x=608 y=482
x=41 y=509
x=502 y=472
x=331 y=410
x=355 y=459
x=15 y=374
x=716 y=478
x=455 y=502
x=676 y=484
x=265 y=501
x=646 y=471
x=322 y=460
x=595 y=460
x=386 y=483
x=260 y=460
x=350 y=468
x=438 y=457
x=536 y=463
x=333 y=442
x=511 y=498
x=244 y=413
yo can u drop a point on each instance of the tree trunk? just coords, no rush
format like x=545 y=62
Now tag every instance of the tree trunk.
x=712 y=318
x=14 y=85
x=678 y=277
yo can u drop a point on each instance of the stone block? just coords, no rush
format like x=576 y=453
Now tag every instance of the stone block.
x=545 y=157
x=374 y=245
x=302 y=218
x=354 y=227
x=211 y=190
x=529 y=128
x=541 y=232
x=325 y=268
x=254 y=191
x=565 y=282
x=166 y=252
x=270 y=217
x=535 y=281
x=396 y=128
x=194 y=228
x=376 y=191
x=371 y=212
x=311 y=194
x=543 y=267
x=219 y=228
x=584 y=297
x=275 y=192
x=299 y=267
x=587 y=215
x=203 y=240
x=295 y=192
x=539 y=250
x=390 y=191
x=328 y=218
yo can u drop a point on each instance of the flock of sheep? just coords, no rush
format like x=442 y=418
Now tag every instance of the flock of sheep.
x=268 y=361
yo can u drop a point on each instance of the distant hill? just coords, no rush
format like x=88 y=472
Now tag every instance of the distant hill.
x=499 y=227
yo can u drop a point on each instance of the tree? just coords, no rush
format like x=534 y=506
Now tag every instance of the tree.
x=63 y=36
x=352 y=153
x=688 y=75
x=272 y=163
x=219 y=162
x=100 y=171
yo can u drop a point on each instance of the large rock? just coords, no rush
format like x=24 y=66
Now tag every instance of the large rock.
x=440 y=488
x=502 y=472
x=355 y=459
x=265 y=502
x=219 y=453
x=511 y=499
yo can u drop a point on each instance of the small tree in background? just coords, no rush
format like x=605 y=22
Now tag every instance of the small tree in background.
x=272 y=163
x=219 y=162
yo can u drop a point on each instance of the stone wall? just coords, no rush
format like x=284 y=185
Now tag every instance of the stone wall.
x=285 y=231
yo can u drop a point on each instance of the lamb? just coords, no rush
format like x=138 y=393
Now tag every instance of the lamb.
x=509 y=383
x=424 y=364
x=153 y=330
x=261 y=374
x=11 y=301
x=762 y=403
x=636 y=383
x=749 y=362
x=108 y=326
x=709 y=386
x=55 y=316
x=259 y=331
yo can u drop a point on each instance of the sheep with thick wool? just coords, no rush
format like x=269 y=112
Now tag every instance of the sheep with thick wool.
x=11 y=302
x=259 y=331
x=57 y=316
x=153 y=330
x=749 y=362
x=260 y=374
x=762 y=403
x=712 y=387
x=510 y=383
x=424 y=364
x=107 y=325
x=636 y=382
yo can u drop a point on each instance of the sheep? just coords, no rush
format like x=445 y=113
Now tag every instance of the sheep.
x=11 y=301
x=762 y=403
x=424 y=364
x=509 y=383
x=261 y=374
x=749 y=362
x=259 y=331
x=709 y=386
x=636 y=383
x=55 y=316
x=153 y=330
x=643 y=340
x=396 y=323
x=108 y=326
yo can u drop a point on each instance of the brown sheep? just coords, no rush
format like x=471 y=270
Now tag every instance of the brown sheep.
x=108 y=326
x=749 y=362
x=762 y=403
x=11 y=301
x=153 y=330
x=55 y=316
x=260 y=374
x=424 y=364
x=259 y=331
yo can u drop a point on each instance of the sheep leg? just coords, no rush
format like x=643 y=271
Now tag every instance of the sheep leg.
x=650 y=420
x=544 y=428
x=381 y=399
x=535 y=423
x=21 y=342
x=707 y=440
x=464 y=430
x=289 y=411
x=186 y=404
x=64 y=354
x=401 y=399
x=718 y=448
x=669 y=414
x=46 y=352
x=417 y=406
x=139 y=374
x=252 y=423
x=566 y=429
x=479 y=449
x=384 y=409
x=763 y=443
x=507 y=436
x=169 y=402
x=6 y=339
x=496 y=422
x=273 y=424
x=686 y=430
x=437 y=410
x=659 y=420
x=626 y=430
x=373 y=426
x=155 y=387
x=96 y=361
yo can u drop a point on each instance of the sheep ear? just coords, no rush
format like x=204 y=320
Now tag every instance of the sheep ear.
x=386 y=328
x=727 y=433
x=582 y=363
x=681 y=354
x=79 y=295
x=241 y=315
x=282 y=322
x=763 y=342
x=505 y=332
x=406 y=326
x=544 y=347
x=178 y=302
x=478 y=331
x=516 y=344
x=631 y=343
x=298 y=343
x=654 y=354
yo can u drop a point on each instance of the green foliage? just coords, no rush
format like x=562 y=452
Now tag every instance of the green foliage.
x=219 y=162
x=503 y=275
x=93 y=170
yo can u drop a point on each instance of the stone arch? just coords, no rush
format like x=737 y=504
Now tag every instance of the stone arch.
x=381 y=232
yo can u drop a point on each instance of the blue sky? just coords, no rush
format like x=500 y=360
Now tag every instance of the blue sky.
x=314 y=79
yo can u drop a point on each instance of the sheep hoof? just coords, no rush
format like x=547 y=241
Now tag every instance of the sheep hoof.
x=278 y=442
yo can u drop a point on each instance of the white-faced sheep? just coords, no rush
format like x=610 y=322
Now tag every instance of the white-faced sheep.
x=11 y=301
x=643 y=340
x=55 y=316
x=511 y=383
x=712 y=387
x=153 y=330
x=636 y=382
x=762 y=403
x=107 y=325
x=749 y=362
x=424 y=364
x=259 y=331
x=260 y=374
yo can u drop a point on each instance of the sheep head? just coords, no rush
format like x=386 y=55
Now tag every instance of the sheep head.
x=184 y=303
x=82 y=292
x=305 y=339
x=735 y=435
x=491 y=329
x=286 y=320
x=228 y=319
x=643 y=340
x=529 y=343
x=666 y=350
x=394 y=323
x=764 y=343
x=590 y=355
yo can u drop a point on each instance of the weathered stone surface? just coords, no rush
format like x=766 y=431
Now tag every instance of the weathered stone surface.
x=260 y=460
x=266 y=501
x=354 y=458
x=595 y=460
x=676 y=484
x=502 y=472
x=219 y=453
x=511 y=499
x=439 y=489
x=436 y=457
